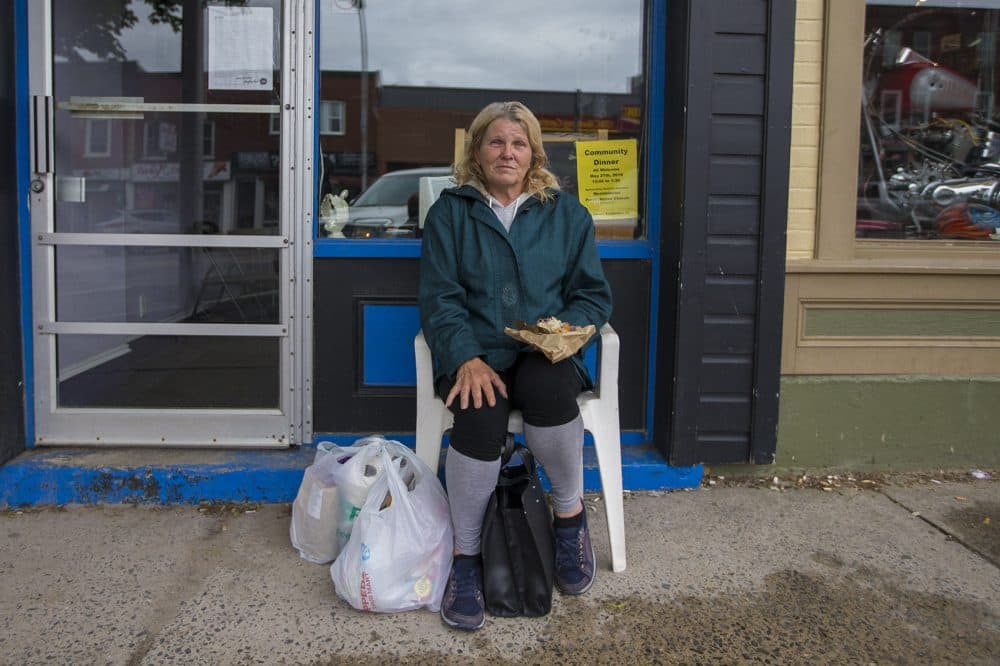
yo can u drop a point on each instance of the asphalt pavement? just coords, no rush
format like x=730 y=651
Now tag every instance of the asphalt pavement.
x=837 y=571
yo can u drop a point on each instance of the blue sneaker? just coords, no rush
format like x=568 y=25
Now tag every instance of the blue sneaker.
x=462 y=606
x=575 y=562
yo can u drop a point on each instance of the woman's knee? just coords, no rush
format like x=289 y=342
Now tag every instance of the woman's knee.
x=480 y=433
x=546 y=392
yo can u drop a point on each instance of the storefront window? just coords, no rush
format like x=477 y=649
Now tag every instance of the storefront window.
x=411 y=78
x=930 y=138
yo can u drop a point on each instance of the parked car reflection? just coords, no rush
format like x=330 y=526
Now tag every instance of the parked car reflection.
x=388 y=209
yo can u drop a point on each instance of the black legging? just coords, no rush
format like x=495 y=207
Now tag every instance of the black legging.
x=545 y=393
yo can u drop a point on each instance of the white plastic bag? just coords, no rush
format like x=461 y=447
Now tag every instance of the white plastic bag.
x=313 y=528
x=399 y=554
x=355 y=477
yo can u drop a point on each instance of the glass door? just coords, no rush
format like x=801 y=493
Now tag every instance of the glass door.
x=161 y=258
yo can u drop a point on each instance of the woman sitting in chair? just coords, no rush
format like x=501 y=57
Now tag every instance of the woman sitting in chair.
x=507 y=245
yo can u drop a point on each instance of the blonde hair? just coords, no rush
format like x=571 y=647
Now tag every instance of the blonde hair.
x=537 y=181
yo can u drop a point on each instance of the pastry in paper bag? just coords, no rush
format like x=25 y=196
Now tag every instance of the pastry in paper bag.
x=556 y=339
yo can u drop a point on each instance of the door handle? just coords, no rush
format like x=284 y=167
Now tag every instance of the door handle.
x=42 y=149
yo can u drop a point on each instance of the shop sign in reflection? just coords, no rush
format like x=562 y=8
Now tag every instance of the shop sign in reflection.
x=168 y=172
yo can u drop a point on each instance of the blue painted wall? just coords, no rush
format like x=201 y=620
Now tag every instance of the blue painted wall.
x=387 y=350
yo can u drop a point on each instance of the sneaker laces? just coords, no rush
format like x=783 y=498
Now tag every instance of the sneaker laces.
x=466 y=585
x=569 y=551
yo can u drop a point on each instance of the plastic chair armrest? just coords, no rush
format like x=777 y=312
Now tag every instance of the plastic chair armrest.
x=608 y=371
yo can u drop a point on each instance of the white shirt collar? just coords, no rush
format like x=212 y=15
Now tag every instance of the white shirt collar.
x=495 y=203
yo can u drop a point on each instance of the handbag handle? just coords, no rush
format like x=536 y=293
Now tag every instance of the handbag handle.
x=512 y=446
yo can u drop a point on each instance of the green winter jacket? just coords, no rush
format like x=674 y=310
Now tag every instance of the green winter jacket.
x=476 y=278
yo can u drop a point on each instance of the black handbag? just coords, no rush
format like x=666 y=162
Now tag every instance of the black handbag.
x=518 y=544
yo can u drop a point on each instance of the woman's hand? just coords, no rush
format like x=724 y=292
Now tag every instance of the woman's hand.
x=476 y=379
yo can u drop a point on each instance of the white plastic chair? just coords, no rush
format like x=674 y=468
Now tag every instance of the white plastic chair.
x=600 y=417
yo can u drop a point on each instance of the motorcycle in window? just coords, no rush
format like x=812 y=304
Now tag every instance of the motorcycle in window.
x=930 y=151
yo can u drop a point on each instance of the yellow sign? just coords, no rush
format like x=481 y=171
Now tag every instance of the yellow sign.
x=607 y=176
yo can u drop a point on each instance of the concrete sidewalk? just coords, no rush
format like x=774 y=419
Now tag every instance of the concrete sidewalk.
x=905 y=573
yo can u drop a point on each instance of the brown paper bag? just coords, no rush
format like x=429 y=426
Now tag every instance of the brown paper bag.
x=555 y=346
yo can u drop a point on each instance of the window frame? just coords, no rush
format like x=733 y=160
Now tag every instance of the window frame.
x=326 y=105
x=152 y=152
x=89 y=135
x=840 y=137
x=208 y=137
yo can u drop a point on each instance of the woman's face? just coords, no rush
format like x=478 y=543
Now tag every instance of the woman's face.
x=505 y=156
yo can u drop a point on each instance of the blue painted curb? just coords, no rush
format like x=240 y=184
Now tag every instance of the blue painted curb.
x=83 y=476
x=74 y=477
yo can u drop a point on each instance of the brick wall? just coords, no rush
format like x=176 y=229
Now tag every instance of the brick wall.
x=807 y=78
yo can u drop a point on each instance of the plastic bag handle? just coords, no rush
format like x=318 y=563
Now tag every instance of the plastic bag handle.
x=391 y=481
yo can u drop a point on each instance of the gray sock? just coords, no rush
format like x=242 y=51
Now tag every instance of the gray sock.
x=470 y=483
x=559 y=449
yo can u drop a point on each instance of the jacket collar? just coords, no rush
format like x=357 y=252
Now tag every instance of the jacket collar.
x=480 y=211
x=471 y=193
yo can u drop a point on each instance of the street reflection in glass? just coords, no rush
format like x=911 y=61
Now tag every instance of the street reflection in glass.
x=398 y=79
x=218 y=285
x=136 y=170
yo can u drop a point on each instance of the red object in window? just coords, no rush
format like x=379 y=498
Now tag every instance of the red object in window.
x=955 y=222
x=926 y=86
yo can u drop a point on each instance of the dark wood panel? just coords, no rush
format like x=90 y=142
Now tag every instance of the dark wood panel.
x=12 y=434
x=670 y=433
x=731 y=255
x=733 y=215
x=734 y=175
x=730 y=295
x=729 y=414
x=341 y=401
x=774 y=216
x=630 y=284
x=728 y=335
x=725 y=201
x=686 y=171
x=723 y=447
x=739 y=54
x=737 y=94
x=737 y=135
x=740 y=16
x=727 y=373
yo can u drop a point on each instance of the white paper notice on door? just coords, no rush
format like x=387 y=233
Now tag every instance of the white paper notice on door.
x=240 y=48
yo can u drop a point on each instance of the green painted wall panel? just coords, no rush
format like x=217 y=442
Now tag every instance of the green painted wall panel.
x=901 y=322
x=884 y=423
